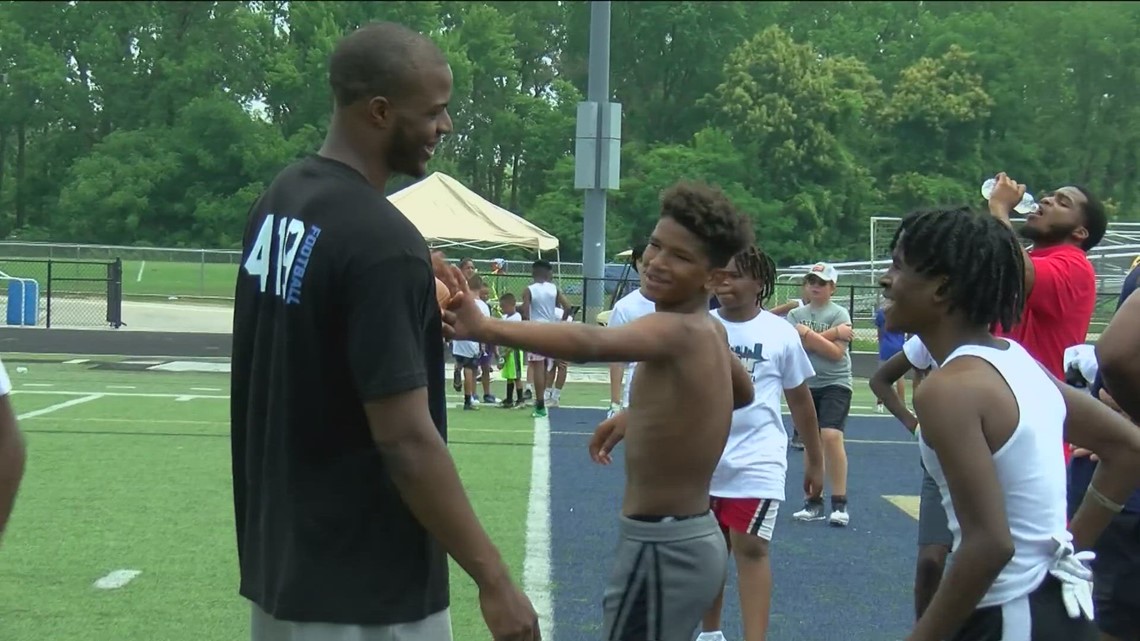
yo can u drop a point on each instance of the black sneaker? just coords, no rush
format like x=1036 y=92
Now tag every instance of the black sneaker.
x=507 y=404
x=490 y=399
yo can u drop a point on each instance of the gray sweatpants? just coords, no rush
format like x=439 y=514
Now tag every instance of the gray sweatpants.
x=264 y=627
x=666 y=576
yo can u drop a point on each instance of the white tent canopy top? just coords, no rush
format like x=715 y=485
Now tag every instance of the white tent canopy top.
x=449 y=214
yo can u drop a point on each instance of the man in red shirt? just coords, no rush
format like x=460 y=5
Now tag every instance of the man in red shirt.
x=1060 y=282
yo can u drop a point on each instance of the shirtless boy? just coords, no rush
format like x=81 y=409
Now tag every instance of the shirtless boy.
x=671 y=559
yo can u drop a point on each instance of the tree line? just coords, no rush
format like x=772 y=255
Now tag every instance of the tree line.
x=157 y=123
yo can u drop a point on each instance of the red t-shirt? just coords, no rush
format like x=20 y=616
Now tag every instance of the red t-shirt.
x=1059 y=308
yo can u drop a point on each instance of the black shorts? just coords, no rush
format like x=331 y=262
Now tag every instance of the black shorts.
x=466 y=362
x=1116 y=577
x=832 y=405
x=1038 y=616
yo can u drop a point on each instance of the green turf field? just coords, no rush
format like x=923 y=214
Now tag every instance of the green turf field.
x=130 y=471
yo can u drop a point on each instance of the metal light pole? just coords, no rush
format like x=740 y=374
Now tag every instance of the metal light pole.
x=597 y=155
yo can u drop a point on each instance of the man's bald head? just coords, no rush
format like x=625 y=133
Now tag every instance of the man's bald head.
x=379 y=59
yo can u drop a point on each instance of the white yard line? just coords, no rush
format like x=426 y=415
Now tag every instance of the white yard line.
x=116 y=394
x=536 y=565
x=117 y=579
x=59 y=406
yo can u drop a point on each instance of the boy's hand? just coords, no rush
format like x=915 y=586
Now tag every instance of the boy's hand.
x=468 y=319
x=609 y=433
x=813 y=477
x=845 y=332
x=802 y=329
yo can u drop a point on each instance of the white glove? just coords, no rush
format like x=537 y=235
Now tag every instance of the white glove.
x=614 y=409
x=1071 y=569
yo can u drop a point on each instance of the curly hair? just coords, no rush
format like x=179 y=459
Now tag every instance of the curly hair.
x=379 y=59
x=979 y=256
x=755 y=264
x=709 y=215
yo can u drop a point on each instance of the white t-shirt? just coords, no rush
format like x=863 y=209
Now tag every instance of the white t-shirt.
x=754 y=464
x=5 y=382
x=470 y=349
x=917 y=354
x=631 y=307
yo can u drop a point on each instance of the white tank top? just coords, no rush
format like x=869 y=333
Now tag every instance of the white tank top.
x=543 y=300
x=1030 y=467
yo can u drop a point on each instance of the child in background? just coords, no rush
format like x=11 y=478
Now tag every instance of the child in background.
x=556 y=374
x=890 y=343
x=510 y=358
x=747 y=487
x=467 y=353
x=830 y=387
x=487 y=357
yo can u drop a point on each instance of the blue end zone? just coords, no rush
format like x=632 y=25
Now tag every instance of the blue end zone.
x=849 y=584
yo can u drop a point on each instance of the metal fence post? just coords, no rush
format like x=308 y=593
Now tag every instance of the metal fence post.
x=115 y=293
x=47 y=318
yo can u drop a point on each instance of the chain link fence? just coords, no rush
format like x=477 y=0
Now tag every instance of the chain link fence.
x=62 y=293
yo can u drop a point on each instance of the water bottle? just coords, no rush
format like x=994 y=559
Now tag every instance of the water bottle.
x=1027 y=205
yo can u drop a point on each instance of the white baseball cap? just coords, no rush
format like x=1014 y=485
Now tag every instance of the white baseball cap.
x=824 y=272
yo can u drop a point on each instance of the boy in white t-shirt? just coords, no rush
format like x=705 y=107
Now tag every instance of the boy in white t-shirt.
x=510 y=358
x=748 y=485
x=467 y=354
x=631 y=307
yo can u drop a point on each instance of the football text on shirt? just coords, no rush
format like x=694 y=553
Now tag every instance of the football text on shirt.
x=284 y=253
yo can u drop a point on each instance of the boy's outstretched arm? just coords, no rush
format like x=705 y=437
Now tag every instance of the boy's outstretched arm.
x=649 y=338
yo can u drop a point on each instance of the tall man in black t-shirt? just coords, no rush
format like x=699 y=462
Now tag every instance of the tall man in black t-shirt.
x=346 y=498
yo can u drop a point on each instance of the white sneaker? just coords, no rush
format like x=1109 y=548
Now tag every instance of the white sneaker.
x=711 y=636
x=839 y=517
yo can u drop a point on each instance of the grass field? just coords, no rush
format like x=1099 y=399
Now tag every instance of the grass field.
x=129 y=470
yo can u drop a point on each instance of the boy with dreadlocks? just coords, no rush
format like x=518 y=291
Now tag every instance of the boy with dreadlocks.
x=748 y=484
x=991 y=418
x=671 y=558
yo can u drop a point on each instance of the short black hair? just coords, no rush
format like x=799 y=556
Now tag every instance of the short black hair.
x=1096 y=219
x=636 y=253
x=464 y=261
x=541 y=264
x=755 y=264
x=475 y=282
x=507 y=298
x=705 y=211
x=379 y=59
x=980 y=257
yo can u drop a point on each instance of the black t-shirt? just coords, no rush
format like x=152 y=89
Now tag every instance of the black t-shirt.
x=349 y=315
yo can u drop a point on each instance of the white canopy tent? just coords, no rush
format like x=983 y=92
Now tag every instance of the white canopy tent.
x=448 y=214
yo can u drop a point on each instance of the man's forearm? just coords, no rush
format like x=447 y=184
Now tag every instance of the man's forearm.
x=1000 y=212
x=425 y=475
